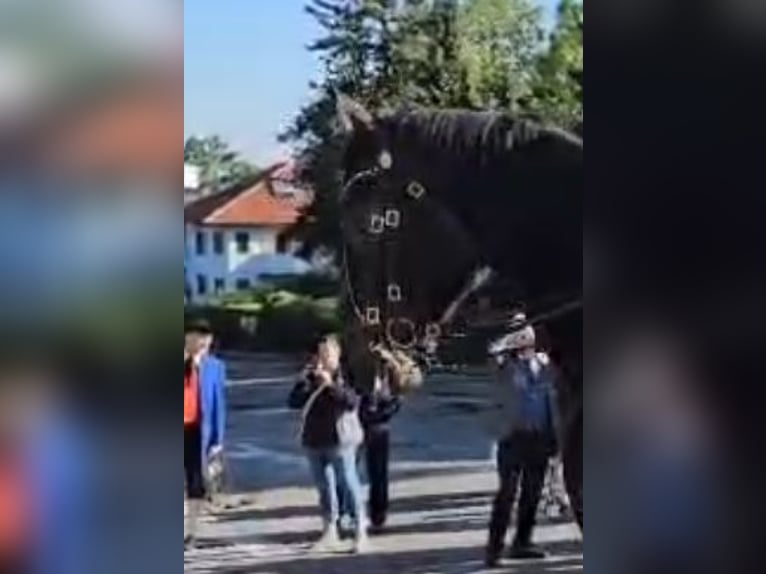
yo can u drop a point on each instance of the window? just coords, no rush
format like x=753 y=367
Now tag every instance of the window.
x=219 y=286
x=282 y=244
x=201 y=285
x=243 y=284
x=200 y=240
x=218 y=243
x=243 y=242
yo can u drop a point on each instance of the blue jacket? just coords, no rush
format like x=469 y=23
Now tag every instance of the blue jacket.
x=61 y=460
x=523 y=401
x=212 y=385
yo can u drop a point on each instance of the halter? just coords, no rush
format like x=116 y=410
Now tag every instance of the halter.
x=371 y=318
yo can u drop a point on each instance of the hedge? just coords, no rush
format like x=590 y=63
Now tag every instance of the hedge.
x=285 y=323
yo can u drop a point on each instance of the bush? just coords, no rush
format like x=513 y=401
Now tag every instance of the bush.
x=283 y=322
x=229 y=325
x=314 y=285
x=294 y=325
x=285 y=313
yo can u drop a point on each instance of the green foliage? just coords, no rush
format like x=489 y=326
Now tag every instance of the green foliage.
x=296 y=324
x=558 y=88
x=220 y=167
x=286 y=315
x=314 y=285
x=499 y=41
x=286 y=326
x=281 y=287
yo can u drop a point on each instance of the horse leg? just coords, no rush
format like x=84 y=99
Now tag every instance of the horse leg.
x=567 y=333
x=572 y=458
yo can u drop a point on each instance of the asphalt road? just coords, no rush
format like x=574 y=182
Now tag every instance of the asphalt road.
x=443 y=481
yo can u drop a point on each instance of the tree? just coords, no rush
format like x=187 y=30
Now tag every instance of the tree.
x=499 y=41
x=391 y=53
x=557 y=92
x=220 y=167
x=347 y=52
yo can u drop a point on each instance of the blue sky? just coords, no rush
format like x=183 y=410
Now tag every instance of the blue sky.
x=247 y=70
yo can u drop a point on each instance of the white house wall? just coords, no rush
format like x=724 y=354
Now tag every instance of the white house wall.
x=231 y=266
x=263 y=241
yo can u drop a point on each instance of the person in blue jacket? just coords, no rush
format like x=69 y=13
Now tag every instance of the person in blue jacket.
x=204 y=417
x=525 y=424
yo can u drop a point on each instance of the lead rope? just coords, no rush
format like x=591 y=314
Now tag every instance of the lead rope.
x=565 y=309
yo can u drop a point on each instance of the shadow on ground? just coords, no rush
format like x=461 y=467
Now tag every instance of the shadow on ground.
x=564 y=558
x=424 y=503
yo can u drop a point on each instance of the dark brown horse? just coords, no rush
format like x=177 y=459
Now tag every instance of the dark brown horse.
x=436 y=203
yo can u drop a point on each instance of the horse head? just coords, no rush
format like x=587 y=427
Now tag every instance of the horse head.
x=407 y=258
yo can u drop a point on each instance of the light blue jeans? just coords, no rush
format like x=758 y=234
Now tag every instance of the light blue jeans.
x=336 y=469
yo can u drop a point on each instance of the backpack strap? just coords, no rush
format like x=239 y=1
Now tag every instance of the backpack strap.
x=310 y=405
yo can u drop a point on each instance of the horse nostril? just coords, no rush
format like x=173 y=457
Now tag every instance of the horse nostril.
x=401 y=332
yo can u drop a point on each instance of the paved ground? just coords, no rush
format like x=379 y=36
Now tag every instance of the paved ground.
x=443 y=482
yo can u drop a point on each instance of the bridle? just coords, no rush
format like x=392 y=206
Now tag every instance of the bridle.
x=371 y=316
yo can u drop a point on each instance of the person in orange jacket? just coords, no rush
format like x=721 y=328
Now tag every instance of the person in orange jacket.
x=204 y=417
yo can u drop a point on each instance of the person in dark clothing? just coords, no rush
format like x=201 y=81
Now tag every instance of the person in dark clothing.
x=324 y=398
x=395 y=374
x=527 y=419
x=377 y=409
x=382 y=377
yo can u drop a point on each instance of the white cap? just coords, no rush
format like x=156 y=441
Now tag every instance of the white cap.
x=523 y=336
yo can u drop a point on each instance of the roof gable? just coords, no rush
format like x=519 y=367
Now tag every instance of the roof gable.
x=254 y=204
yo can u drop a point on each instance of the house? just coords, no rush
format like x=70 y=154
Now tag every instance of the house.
x=192 y=183
x=233 y=239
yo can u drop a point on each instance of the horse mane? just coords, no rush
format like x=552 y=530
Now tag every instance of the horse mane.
x=470 y=135
x=480 y=157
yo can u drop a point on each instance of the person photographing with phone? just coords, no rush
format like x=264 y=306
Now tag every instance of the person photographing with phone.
x=331 y=435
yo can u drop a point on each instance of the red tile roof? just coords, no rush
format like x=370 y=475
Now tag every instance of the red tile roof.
x=253 y=205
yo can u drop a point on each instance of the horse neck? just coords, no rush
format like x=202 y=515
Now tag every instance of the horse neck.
x=505 y=237
x=448 y=191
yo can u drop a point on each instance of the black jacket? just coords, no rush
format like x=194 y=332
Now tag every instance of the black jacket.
x=320 y=428
x=377 y=410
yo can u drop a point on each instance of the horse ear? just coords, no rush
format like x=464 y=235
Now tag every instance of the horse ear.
x=352 y=115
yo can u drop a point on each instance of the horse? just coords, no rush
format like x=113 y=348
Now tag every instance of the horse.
x=435 y=204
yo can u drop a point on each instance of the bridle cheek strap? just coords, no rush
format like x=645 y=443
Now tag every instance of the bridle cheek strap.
x=434 y=330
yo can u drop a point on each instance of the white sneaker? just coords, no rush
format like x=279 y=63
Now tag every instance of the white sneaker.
x=191 y=522
x=329 y=542
x=361 y=543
